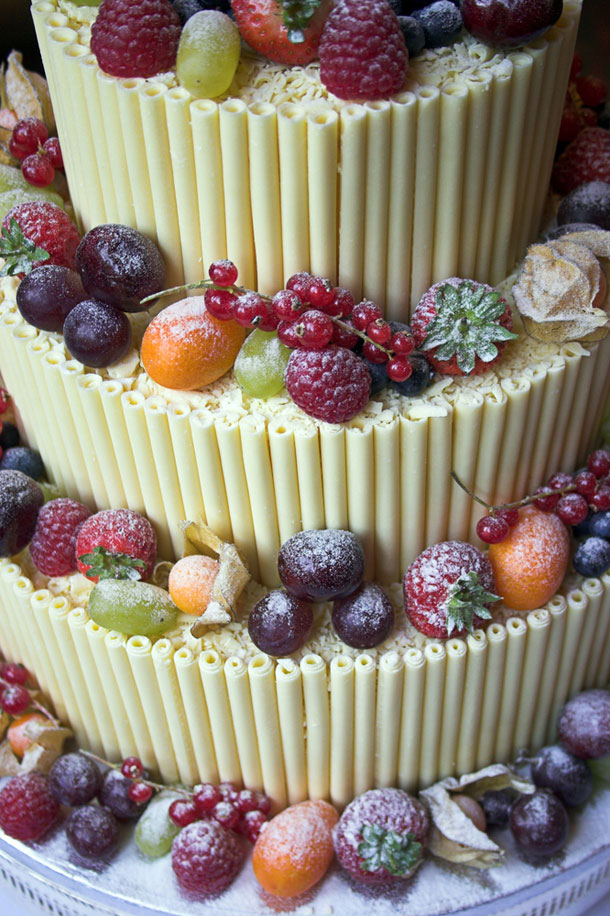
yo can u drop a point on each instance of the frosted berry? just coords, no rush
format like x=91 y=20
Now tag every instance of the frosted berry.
x=598 y=462
x=373 y=353
x=592 y=90
x=92 y=831
x=223 y=273
x=441 y=23
x=314 y=329
x=539 y=823
x=251 y=825
x=599 y=525
x=572 y=508
x=206 y=797
x=569 y=777
x=398 y=369
x=332 y=384
x=342 y=304
x=140 y=40
x=321 y=565
x=24 y=459
x=286 y=305
x=15 y=673
x=206 y=857
x=601 y=498
x=583 y=726
x=492 y=529
x=183 y=812
x=413 y=34
x=380 y=836
x=27 y=136
x=344 y=337
x=287 y=333
x=38 y=170
x=402 y=343
x=379 y=331
x=229 y=792
x=114 y=795
x=587 y=203
x=299 y=283
x=585 y=483
x=546 y=500
x=131 y=768
x=117 y=543
x=320 y=293
x=20 y=501
x=49 y=228
x=364 y=313
x=27 y=807
x=592 y=557
x=14 y=699
x=559 y=480
x=48 y=294
x=140 y=793
x=249 y=310
x=220 y=303
x=496 y=805
x=506 y=24
x=97 y=334
x=52 y=148
x=279 y=624
x=585 y=159
x=365 y=618
x=420 y=378
x=510 y=516
x=247 y=800
x=226 y=814
x=53 y=546
x=74 y=779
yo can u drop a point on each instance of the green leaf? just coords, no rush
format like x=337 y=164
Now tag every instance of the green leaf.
x=467 y=599
x=19 y=253
x=107 y=565
x=381 y=848
x=297 y=16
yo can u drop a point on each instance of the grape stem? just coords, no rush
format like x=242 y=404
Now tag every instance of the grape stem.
x=147 y=782
x=526 y=501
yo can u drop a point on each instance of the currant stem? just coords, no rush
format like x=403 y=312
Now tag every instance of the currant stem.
x=526 y=501
x=147 y=782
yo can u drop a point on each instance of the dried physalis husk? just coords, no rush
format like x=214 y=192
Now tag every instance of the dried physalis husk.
x=230 y=581
x=453 y=836
x=563 y=286
x=47 y=745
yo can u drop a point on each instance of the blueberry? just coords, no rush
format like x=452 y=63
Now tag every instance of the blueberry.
x=599 y=525
x=396 y=6
x=379 y=377
x=582 y=528
x=496 y=804
x=588 y=203
x=441 y=22
x=419 y=379
x=9 y=437
x=188 y=8
x=413 y=32
x=592 y=557
x=26 y=460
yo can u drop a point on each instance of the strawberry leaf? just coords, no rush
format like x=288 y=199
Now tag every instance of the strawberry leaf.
x=20 y=253
x=297 y=16
x=467 y=599
x=107 y=565
x=381 y=848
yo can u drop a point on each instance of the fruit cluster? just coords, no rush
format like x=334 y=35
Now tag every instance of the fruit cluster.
x=325 y=565
x=38 y=153
x=585 y=98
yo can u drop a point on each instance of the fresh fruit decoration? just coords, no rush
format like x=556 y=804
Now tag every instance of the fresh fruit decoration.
x=279 y=624
x=118 y=544
x=135 y=40
x=586 y=158
x=40 y=155
x=441 y=23
x=208 y=54
x=35 y=232
x=287 y=33
x=52 y=547
x=20 y=501
x=97 y=334
x=540 y=824
x=47 y=295
x=588 y=203
x=449 y=590
x=507 y=23
x=585 y=94
x=462 y=326
x=191 y=583
x=129 y=606
x=24 y=459
x=362 y=51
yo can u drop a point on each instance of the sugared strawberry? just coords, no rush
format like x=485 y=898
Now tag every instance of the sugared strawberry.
x=52 y=547
x=449 y=590
x=332 y=384
x=206 y=857
x=362 y=51
x=288 y=33
x=380 y=836
x=27 y=807
x=41 y=229
x=136 y=39
x=462 y=326
x=587 y=158
x=116 y=544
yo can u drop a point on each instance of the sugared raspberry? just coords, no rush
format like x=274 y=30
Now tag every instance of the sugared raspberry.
x=332 y=384
x=587 y=158
x=52 y=230
x=52 y=547
x=362 y=51
x=27 y=808
x=206 y=857
x=136 y=39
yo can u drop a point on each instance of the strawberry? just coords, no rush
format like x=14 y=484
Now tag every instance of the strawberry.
x=116 y=544
x=587 y=158
x=448 y=590
x=287 y=32
x=34 y=233
x=463 y=326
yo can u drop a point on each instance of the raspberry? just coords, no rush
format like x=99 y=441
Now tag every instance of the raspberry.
x=49 y=228
x=52 y=547
x=362 y=51
x=206 y=857
x=587 y=158
x=136 y=39
x=331 y=384
x=27 y=808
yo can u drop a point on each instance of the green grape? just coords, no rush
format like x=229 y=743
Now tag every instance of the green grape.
x=49 y=491
x=10 y=199
x=600 y=767
x=11 y=179
x=208 y=54
x=261 y=364
x=155 y=831
x=133 y=607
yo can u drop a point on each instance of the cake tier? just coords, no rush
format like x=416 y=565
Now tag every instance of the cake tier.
x=258 y=471
x=447 y=178
x=326 y=723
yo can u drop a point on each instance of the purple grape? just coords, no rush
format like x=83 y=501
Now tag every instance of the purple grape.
x=48 y=294
x=584 y=724
x=540 y=823
x=97 y=334
x=365 y=618
x=321 y=565
x=92 y=831
x=497 y=804
x=74 y=779
x=280 y=624
x=114 y=795
x=588 y=203
x=568 y=776
x=120 y=266
x=20 y=502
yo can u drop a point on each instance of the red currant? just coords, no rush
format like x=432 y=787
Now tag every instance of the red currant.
x=131 y=768
x=38 y=170
x=270 y=321
x=571 y=124
x=183 y=812
x=139 y=792
x=287 y=333
x=510 y=516
x=249 y=310
x=52 y=148
x=223 y=272
x=585 y=483
x=373 y=353
x=321 y=293
x=5 y=400
x=547 y=500
x=14 y=699
x=287 y=305
x=206 y=797
x=251 y=825
x=379 y=331
x=598 y=462
x=28 y=134
x=402 y=344
x=492 y=529
x=227 y=814
x=342 y=304
x=364 y=313
x=592 y=90
x=576 y=67
x=559 y=480
x=314 y=329
x=601 y=498
x=220 y=303
x=299 y=283
x=588 y=117
x=572 y=508
x=15 y=673
x=399 y=369
x=343 y=337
